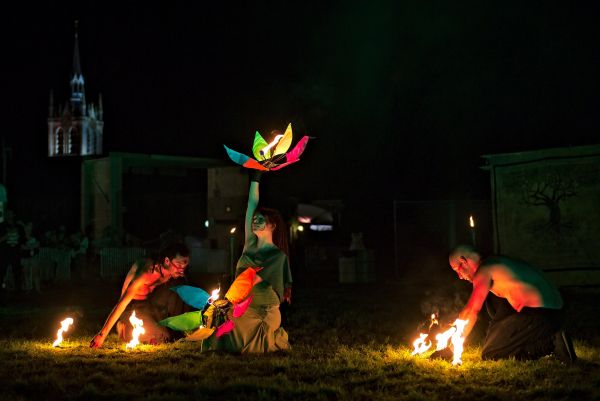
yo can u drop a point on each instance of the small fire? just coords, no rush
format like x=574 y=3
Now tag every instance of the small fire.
x=471 y=222
x=421 y=344
x=64 y=326
x=454 y=334
x=138 y=330
x=214 y=295
x=267 y=148
x=434 y=321
x=458 y=340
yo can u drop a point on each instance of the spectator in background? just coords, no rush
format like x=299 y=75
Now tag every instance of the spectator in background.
x=11 y=237
x=80 y=245
x=30 y=249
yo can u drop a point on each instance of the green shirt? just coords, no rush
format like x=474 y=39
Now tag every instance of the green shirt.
x=275 y=275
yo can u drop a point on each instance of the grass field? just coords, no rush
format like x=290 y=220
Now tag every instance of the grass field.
x=349 y=343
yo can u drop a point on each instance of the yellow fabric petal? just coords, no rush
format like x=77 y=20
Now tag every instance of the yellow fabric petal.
x=201 y=334
x=284 y=143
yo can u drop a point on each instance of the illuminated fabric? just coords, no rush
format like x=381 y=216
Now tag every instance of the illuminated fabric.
x=270 y=156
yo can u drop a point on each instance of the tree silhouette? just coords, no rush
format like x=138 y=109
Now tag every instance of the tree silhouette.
x=549 y=192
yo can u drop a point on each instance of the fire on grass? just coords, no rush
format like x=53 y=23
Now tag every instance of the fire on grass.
x=454 y=334
x=64 y=326
x=138 y=330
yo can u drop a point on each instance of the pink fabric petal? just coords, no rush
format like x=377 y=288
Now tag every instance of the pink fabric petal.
x=239 y=309
x=294 y=154
x=224 y=328
x=283 y=165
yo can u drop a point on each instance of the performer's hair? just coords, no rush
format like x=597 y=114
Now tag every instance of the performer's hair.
x=280 y=232
x=168 y=250
x=464 y=248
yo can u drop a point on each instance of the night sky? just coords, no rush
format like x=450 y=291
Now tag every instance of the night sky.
x=403 y=97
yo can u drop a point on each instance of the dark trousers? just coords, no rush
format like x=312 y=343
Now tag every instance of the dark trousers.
x=12 y=257
x=160 y=304
x=523 y=335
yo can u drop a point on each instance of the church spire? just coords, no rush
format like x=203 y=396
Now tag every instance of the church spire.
x=76 y=62
x=77 y=81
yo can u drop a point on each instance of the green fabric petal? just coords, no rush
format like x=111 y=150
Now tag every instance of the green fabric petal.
x=183 y=322
x=258 y=144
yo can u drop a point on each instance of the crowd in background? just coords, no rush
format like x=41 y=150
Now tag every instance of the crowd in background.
x=20 y=245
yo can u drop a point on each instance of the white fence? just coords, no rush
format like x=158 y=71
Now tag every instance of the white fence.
x=55 y=264
x=116 y=261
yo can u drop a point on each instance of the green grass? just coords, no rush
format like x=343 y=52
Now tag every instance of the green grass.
x=345 y=347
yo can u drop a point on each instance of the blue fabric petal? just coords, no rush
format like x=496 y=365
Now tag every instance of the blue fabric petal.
x=193 y=296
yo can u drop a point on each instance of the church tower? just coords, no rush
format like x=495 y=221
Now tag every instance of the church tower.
x=75 y=129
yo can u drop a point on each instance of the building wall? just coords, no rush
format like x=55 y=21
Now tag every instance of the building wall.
x=547 y=211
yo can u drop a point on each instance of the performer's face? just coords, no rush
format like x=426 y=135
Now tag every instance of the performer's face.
x=259 y=223
x=177 y=265
x=462 y=267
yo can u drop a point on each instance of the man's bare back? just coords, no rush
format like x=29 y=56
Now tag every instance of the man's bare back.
x=521 y=284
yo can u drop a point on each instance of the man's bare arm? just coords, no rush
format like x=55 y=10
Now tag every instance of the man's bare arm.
x=117 y=311
x=481 y=286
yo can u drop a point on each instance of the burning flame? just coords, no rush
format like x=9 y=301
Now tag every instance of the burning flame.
x=137 y=331
x=264 y=150
x=471 y=222
x=458 y=340
x=214 y=295
x=64 y=326
x=454 y=334
x=421 y=344
x=433 y=321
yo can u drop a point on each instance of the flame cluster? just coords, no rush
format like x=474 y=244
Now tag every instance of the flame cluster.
x=454 y=334
x=214 y=295
x=138 y=330
x=64 y=326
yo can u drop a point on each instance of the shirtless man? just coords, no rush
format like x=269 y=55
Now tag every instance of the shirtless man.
x=142 y=279
x=525 y=308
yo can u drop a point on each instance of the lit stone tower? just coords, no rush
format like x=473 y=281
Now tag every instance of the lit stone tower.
x=75 y=129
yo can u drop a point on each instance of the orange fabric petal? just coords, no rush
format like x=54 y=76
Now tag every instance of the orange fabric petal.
x=241 y=286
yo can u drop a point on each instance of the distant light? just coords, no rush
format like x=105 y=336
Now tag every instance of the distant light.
x=232 y=231
x=304 y=219
x=471 y=222
x=206 y=223
x=227 y=208
x=300 y=228
x=321 y=227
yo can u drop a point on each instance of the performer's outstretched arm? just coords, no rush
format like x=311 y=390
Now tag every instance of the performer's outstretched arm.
x=251 y=208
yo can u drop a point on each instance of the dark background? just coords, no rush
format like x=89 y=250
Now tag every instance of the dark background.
x=402 y=97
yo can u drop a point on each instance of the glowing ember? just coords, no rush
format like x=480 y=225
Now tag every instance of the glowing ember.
x=64 y=326
x=138 y=330
x=433 y=321
x=214 y=295
x=453 y=334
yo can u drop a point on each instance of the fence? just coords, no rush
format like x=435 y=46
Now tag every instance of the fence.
x=116 y=261
x=55 y=264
